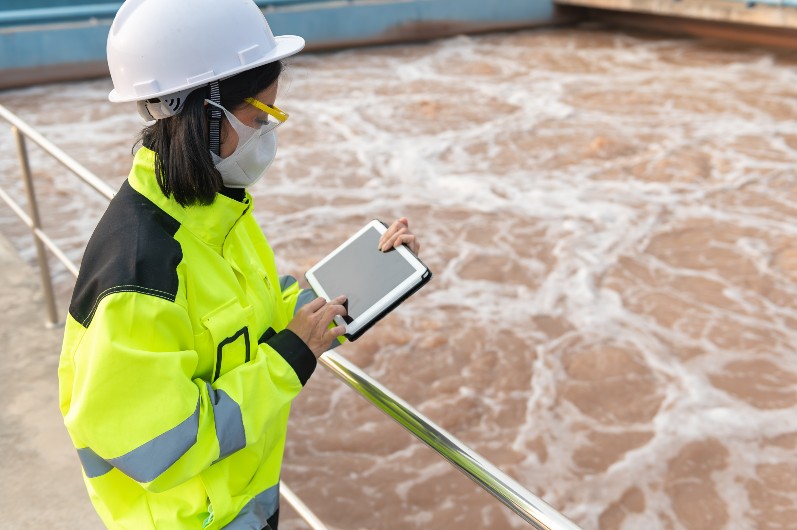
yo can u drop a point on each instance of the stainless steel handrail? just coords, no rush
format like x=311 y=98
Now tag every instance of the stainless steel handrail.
x=22 y=130
x=301 y=508
x=528 y=506
x=50 y=148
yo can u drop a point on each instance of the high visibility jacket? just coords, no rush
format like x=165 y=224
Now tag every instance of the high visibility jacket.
x=177 y=372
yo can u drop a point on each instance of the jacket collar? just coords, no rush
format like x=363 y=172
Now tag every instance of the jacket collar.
x=209 y=223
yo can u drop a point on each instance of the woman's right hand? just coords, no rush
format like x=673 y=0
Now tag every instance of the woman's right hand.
x=311 y=323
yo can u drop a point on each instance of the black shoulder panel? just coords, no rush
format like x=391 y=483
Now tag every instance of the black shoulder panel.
x=132 y=249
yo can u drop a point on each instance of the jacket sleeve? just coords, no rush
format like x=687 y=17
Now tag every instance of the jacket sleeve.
x=294 y=298
x=135 y=407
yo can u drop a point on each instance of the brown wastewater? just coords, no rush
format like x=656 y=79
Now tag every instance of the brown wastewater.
x=611 y=219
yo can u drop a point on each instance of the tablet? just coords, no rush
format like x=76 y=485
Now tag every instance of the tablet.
x=374 y=282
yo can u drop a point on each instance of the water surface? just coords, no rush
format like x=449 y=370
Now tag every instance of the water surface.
x=612 y=223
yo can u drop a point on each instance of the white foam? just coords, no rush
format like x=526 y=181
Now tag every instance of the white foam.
x=548 y=162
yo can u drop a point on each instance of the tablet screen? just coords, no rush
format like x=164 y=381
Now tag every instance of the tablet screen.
x=363 y=273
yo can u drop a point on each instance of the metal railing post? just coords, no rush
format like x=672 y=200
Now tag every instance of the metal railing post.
x=30 y=192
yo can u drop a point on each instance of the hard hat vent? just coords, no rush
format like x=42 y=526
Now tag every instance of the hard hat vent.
x=173 y=103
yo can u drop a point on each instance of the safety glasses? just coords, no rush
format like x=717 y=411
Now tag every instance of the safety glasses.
x=279 y=116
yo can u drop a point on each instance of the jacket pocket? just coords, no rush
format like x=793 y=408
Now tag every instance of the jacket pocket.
x=228 y=325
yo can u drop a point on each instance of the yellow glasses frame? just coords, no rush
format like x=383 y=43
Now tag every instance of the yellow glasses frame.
x=271 y=110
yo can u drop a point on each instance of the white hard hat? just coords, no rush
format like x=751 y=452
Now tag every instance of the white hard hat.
x=166 y=48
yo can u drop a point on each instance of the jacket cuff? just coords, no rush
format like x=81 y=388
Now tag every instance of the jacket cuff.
x=295 y=352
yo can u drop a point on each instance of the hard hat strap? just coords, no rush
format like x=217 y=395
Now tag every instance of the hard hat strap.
x=214 y=118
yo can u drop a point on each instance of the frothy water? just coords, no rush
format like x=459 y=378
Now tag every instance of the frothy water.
x=612 y=223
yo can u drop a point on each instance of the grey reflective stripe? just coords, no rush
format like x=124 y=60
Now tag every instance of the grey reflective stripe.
x=147 y=462
x=256 y=512
x=93 y=465
x=229 y=422
x=286 y=281
x=305 y=297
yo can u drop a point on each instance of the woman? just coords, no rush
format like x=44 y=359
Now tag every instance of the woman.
x=183 y=347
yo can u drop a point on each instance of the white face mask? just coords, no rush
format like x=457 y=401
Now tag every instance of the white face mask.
x=255 y=151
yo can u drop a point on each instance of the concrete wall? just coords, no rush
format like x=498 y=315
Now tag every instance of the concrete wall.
x=59 y=39
x=769 y=13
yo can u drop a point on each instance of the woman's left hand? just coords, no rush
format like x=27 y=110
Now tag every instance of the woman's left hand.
x=399 y=234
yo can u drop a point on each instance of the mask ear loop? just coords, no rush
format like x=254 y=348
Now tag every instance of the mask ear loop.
x=214 y=118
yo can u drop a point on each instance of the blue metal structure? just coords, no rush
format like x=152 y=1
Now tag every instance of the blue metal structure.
x=45 y=40
x=41 y=36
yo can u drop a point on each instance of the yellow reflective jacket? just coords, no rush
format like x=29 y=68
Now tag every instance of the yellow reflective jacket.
x=177 y=372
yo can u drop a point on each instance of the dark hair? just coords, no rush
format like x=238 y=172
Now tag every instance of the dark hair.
x=183 y=165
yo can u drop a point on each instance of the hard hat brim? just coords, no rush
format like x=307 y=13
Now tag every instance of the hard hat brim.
x=287 y=45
